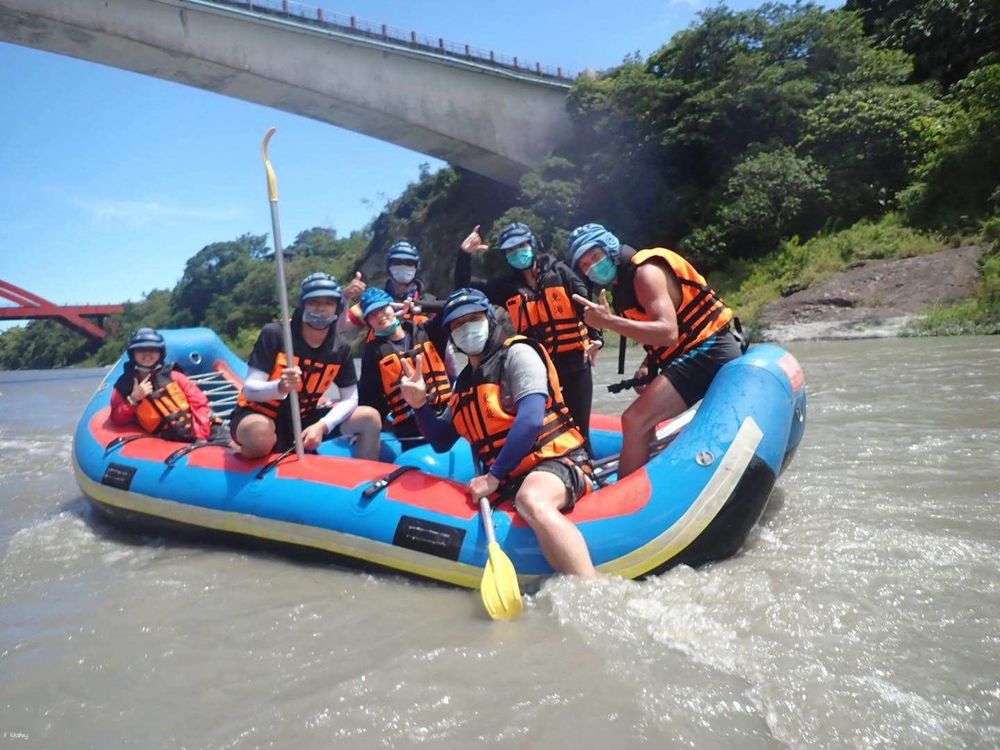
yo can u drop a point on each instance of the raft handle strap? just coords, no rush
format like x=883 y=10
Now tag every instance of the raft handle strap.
x=178 y=454
x=380 y=484
x=274 y=462
x=122 y=440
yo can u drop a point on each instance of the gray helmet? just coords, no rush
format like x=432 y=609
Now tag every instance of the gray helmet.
x=319 y=284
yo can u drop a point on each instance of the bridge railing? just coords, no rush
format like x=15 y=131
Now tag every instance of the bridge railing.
x=314 y=16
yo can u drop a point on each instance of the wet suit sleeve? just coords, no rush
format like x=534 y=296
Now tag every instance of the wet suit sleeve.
x=575 y=285
x=439 y=430
x=464 y=278
x=522 y=435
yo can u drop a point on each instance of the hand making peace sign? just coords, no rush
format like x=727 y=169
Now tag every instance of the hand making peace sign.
x=412 y=387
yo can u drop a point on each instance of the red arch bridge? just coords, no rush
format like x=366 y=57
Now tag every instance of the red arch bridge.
x=28 y=306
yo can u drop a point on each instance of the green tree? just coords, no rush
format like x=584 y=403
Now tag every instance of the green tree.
x=947 y=38
x=957 y=183
x=870 y=139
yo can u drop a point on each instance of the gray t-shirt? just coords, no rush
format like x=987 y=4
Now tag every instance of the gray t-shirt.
x=523 y=374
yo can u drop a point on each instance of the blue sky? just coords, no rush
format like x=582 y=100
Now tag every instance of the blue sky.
x=112 y=180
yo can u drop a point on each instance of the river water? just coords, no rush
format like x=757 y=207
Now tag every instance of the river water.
x=864 y=611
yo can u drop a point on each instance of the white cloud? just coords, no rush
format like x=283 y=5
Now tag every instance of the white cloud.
x=138 y=213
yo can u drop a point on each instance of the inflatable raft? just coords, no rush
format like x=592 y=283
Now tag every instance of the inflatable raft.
x=695 y=501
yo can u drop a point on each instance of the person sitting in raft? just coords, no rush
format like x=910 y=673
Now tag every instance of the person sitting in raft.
x=508 y=404
x=402 y=284
x=395 y=339
x=662 y=302
x=159 y=398
x=537 y=294
x=262 y=421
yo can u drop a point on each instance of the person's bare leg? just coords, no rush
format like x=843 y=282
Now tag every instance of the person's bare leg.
x=256 y=436
x=659 y=401
x=538 y=501
x=364 y=424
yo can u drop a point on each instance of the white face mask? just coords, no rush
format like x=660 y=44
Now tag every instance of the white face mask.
x=471 y=337
x=402 y=274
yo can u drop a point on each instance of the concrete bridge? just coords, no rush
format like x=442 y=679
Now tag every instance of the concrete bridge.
x=497 y=120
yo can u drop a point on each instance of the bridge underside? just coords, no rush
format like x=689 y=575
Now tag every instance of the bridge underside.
x=491 y=122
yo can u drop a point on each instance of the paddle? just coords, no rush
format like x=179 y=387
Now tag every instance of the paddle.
x=501 y=594
x=279 y=258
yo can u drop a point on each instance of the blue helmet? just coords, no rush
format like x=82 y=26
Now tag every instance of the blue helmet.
x=319 y=284
x=464 y=301
x=402 y=251
x=147 y=338
x=373 y=299
x=583 y=238
x=516 y=234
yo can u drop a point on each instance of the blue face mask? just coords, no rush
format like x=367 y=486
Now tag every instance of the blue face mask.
x=317 y=321
x=603 y=272
x=390 y=330
x=522 y=258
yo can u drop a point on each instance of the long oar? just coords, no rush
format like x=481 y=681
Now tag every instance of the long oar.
x=279 y=258
x=501 y=594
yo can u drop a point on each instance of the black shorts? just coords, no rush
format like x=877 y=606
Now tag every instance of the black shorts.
x=569 y=472
x=282 y=426
x=692 y=372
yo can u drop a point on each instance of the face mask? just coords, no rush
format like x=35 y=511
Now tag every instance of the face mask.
x=147 y=370
x=521 y=258
x=471 y=337
x=402 y=274
x=315 y=320
x=603 y=272
x=390 y=330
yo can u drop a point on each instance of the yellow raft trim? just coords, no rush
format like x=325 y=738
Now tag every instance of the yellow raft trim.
x=706 y=507
x=377 y=553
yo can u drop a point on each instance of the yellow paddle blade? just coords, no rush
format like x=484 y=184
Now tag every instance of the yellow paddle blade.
x=501 y=594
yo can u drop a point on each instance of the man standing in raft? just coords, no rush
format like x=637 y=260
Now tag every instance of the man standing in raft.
x=157 y=397
x=662 y=302
x=508 y=404
x=262 y=422
x=537 y=295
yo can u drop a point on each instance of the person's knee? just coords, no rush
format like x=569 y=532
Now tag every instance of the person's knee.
x=636 y=420
x=540 y=497
x=256 y=437
x=366 y=419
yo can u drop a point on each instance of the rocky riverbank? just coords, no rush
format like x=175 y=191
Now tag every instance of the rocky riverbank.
x=872 y=299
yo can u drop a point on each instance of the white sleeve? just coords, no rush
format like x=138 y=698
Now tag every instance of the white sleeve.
x=342 y=409
x=258 y=388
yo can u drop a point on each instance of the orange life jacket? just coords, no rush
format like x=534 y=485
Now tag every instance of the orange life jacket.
x=317 y=377
x=479 y=416
x=700 y=315
x=391 y=370
x=548 y=315
x=166 y=412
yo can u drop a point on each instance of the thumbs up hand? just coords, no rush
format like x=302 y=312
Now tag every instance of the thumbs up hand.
x=411 y=386
x=355 y=287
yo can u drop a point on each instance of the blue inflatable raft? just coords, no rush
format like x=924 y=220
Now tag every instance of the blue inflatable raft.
x=694 y=502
